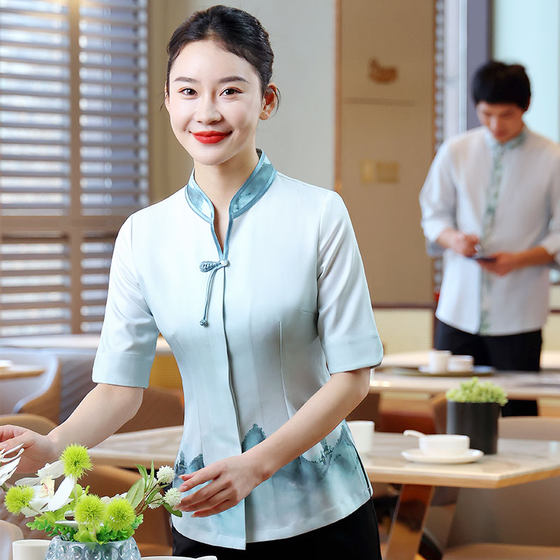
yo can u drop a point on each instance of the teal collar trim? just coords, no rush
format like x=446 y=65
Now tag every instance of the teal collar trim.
x=248 y=194
x=510 y=144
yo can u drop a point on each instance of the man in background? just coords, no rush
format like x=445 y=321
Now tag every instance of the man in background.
x=491 y=204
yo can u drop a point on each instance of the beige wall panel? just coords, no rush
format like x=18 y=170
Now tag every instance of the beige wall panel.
x=390 y=123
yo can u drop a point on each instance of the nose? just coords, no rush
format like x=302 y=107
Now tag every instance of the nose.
x=206 y=111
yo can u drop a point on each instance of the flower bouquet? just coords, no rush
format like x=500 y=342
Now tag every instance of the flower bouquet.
x=81 y=522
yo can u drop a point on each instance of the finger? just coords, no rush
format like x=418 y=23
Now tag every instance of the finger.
x=209 y=502
x=204 y=493
x=199 y=477
x=216 y=509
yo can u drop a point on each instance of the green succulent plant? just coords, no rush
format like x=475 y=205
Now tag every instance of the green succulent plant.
x=476 y=391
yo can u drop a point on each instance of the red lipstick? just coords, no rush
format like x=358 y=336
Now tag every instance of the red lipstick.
x=210 y=136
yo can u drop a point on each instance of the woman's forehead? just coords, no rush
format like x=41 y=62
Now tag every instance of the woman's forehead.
x=209 y=59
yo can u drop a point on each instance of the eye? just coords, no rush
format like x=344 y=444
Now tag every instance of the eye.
x=230 y=91
x=188 y=92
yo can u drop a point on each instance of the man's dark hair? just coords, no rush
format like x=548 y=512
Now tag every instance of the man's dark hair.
x=496 y=82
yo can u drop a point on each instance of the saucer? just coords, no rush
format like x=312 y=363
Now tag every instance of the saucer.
x=476 y=370
x=417 y=456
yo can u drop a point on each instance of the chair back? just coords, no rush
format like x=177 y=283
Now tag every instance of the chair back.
x=529 y=427
x=38 y=394
x=8 y=534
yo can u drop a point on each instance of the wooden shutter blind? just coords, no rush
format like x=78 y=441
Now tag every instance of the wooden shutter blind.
x=73 y=155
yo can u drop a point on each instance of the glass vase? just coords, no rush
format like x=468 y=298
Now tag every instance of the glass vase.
x=70 y=550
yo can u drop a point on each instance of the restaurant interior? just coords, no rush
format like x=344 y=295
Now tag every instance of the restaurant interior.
x=369 y=91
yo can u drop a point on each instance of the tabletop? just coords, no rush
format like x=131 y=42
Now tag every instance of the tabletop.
x=517 y=385
x=16 y=371
x=550 y=359
x=88 y=342
x=517 y=461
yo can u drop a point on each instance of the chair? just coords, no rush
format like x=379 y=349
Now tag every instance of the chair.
x=34 y=422
x=160 y=408
x=34 y=395
x=521 y=515
x=8 y=534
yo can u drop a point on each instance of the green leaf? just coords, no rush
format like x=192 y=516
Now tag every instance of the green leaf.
x=136 y=493
x=172 y=511
x=142 y=470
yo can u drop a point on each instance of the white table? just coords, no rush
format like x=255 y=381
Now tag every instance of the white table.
x=550 y=359
x=517 y=462
x=518 y=385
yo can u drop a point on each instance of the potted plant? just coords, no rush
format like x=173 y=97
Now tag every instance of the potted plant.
x=473 y=409
x=82 y=524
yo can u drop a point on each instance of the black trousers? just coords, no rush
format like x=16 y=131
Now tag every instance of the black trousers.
x=520 y=352
x=353 y=538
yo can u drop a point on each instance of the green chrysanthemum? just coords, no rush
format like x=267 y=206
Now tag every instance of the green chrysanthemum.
x=119 y=514
x=90 y=511
x=76 y=461
x=18 y=497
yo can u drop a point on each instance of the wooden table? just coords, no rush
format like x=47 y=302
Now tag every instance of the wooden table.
x=550 y=359
x=518 y=385
x=16 y=371
x=424 y=485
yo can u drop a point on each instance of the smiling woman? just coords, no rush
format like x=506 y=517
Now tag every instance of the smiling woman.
x=256 y=282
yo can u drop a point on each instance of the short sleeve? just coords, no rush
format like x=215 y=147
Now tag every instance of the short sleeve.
x=129 y=334
x=438 y=200
x=345 y=319
x=551 y=241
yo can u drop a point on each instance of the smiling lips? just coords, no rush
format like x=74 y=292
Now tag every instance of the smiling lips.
x=210 y=136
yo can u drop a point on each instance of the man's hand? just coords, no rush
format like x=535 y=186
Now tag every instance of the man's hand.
x=229 y=481
x=462 y=243
x=503 y=264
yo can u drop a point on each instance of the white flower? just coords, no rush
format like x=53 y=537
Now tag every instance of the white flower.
x=9 y=462
x=107 y=500
x=156 y=502
x=165 y=475
x=172 y=497
x=50 y=471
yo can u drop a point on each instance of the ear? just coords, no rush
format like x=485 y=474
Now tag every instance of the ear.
x=270 y=102
x=166 y=97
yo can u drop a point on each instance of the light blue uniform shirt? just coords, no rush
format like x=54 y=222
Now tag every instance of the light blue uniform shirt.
x=256 y=330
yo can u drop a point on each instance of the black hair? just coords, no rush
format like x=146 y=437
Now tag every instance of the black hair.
x=496 y=82
x=237 y=31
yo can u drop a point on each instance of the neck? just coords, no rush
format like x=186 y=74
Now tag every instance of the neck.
x=221 y=182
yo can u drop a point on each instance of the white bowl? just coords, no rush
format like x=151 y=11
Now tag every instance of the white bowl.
x=444 y=445
x=460 y=363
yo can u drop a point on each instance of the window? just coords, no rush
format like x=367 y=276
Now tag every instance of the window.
x=73 y=155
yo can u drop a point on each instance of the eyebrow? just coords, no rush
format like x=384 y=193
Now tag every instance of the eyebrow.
x=221 y=81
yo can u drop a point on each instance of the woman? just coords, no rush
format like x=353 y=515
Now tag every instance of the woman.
x=256 y=282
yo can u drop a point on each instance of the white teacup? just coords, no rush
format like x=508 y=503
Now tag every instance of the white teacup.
x=362 y=434
x=460 y=363
x=438 y=360
x=30 y=549
x=444 y=445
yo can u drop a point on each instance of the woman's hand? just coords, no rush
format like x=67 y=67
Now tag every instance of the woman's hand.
x=38 y=449
x=229 y=481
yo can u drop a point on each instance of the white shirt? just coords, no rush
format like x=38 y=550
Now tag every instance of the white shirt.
x=287 y=305
x=527 y=215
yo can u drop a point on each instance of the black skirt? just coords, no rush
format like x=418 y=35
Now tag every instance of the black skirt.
x=355 y=537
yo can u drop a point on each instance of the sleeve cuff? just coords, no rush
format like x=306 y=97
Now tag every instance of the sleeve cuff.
x=130 y=370
x=354 y=353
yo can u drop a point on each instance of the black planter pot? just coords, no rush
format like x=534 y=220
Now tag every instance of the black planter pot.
x=479 y=421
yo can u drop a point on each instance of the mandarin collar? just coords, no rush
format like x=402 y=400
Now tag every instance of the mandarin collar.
x=510 y=144
x=248 y=194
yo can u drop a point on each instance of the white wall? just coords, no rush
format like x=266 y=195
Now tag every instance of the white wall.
x=299 y=139
x=529 y=33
